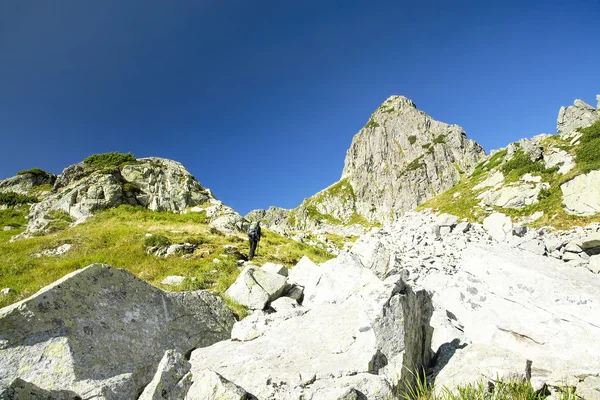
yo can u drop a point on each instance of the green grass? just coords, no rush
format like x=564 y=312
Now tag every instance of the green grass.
x=587 y=154
x=360 y=220
x=413 y=165
x=34 y=171
x=515 y=389
x=490 y=164
x=109 y=159
x=117 y=237
x=521 y=164
x=412 y=139
x=14 y=217
x=372 y=124
x=14 y=199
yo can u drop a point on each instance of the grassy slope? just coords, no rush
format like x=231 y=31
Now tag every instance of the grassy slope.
x=116 y=237
x=586 y=156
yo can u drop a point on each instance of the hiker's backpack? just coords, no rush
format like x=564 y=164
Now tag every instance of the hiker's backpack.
x=254 y=229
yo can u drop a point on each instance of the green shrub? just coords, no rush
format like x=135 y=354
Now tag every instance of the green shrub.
x=441 y=139
x=372 y=124
x=587 y=155
x=34 y=171
x=414 y=164
x=521 y=164
x=412 y=139
x=131 y=189
x=109 y=159
x=12 y=199
x=156 y=241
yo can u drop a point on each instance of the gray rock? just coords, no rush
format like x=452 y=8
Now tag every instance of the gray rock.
x=567 y=256
x=573 y=247
x=372 y=254
x=294 y=292
x=173 y=280
x=519 y=230
x=60 y=250
x=499 y=226
x=590 y=242
x=23 y=390
x=594 y=264
x=254 y=288
x=101 y=330
x=6 y=291
x=534 y=246
x=284 y=304
x=302 y=271
x=462 y=227
x=581 y=195
x=579 y=115
x=447 y=220
x=275 y=269
x=8 y=228
x=516 y=195
x=169 y=375
x=445 y=230
x=589 y=389
x=209 y=385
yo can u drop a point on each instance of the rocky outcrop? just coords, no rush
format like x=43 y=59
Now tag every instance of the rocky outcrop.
x=353 y=331
x=400 y=159
x=403 y=157
x=491 y=299
x=101 y=331
x=24 y=182
x=581 y=195
x=571 y=118
x=156 y=183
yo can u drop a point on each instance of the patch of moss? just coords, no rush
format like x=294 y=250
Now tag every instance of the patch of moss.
x=156 y=240
x=36 y=190
x=34 y=171
x=412 y=139
x=441 y=139
x=109 y=159
x=59 y=220
x=372 y=124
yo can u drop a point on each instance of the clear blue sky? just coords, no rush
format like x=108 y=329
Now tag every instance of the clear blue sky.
x=261 y=99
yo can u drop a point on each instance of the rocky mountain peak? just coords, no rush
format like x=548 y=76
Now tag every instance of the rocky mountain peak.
x=579 y=115
x=403 y=157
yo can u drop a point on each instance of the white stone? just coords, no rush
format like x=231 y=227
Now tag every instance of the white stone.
x=254 y=288
x=173 y=280
x=284 y=304
x=494 y=179
x=275 y=269
x=535 y=246
x=530 y=178
x=594 y=264
x=6 y=291
x=499 y=226
x=302 y=271
x=168 y=380
x=581 y=195
x=209 y=385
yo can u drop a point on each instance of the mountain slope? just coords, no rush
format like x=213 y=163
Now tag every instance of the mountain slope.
x=549 y=180
x=400 y=159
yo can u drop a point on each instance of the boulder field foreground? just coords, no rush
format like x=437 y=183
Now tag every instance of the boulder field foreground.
x=425 y=293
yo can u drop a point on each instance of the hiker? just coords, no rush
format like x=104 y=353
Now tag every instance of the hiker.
x=253 y=237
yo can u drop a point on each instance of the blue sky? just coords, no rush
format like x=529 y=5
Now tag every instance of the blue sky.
x=260 y=99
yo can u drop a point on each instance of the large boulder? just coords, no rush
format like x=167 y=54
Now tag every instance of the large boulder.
x=255 y=288
x=499 y=226
x=571 y=118
x=581 y=195
x=352 y=329
x=102 y=331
